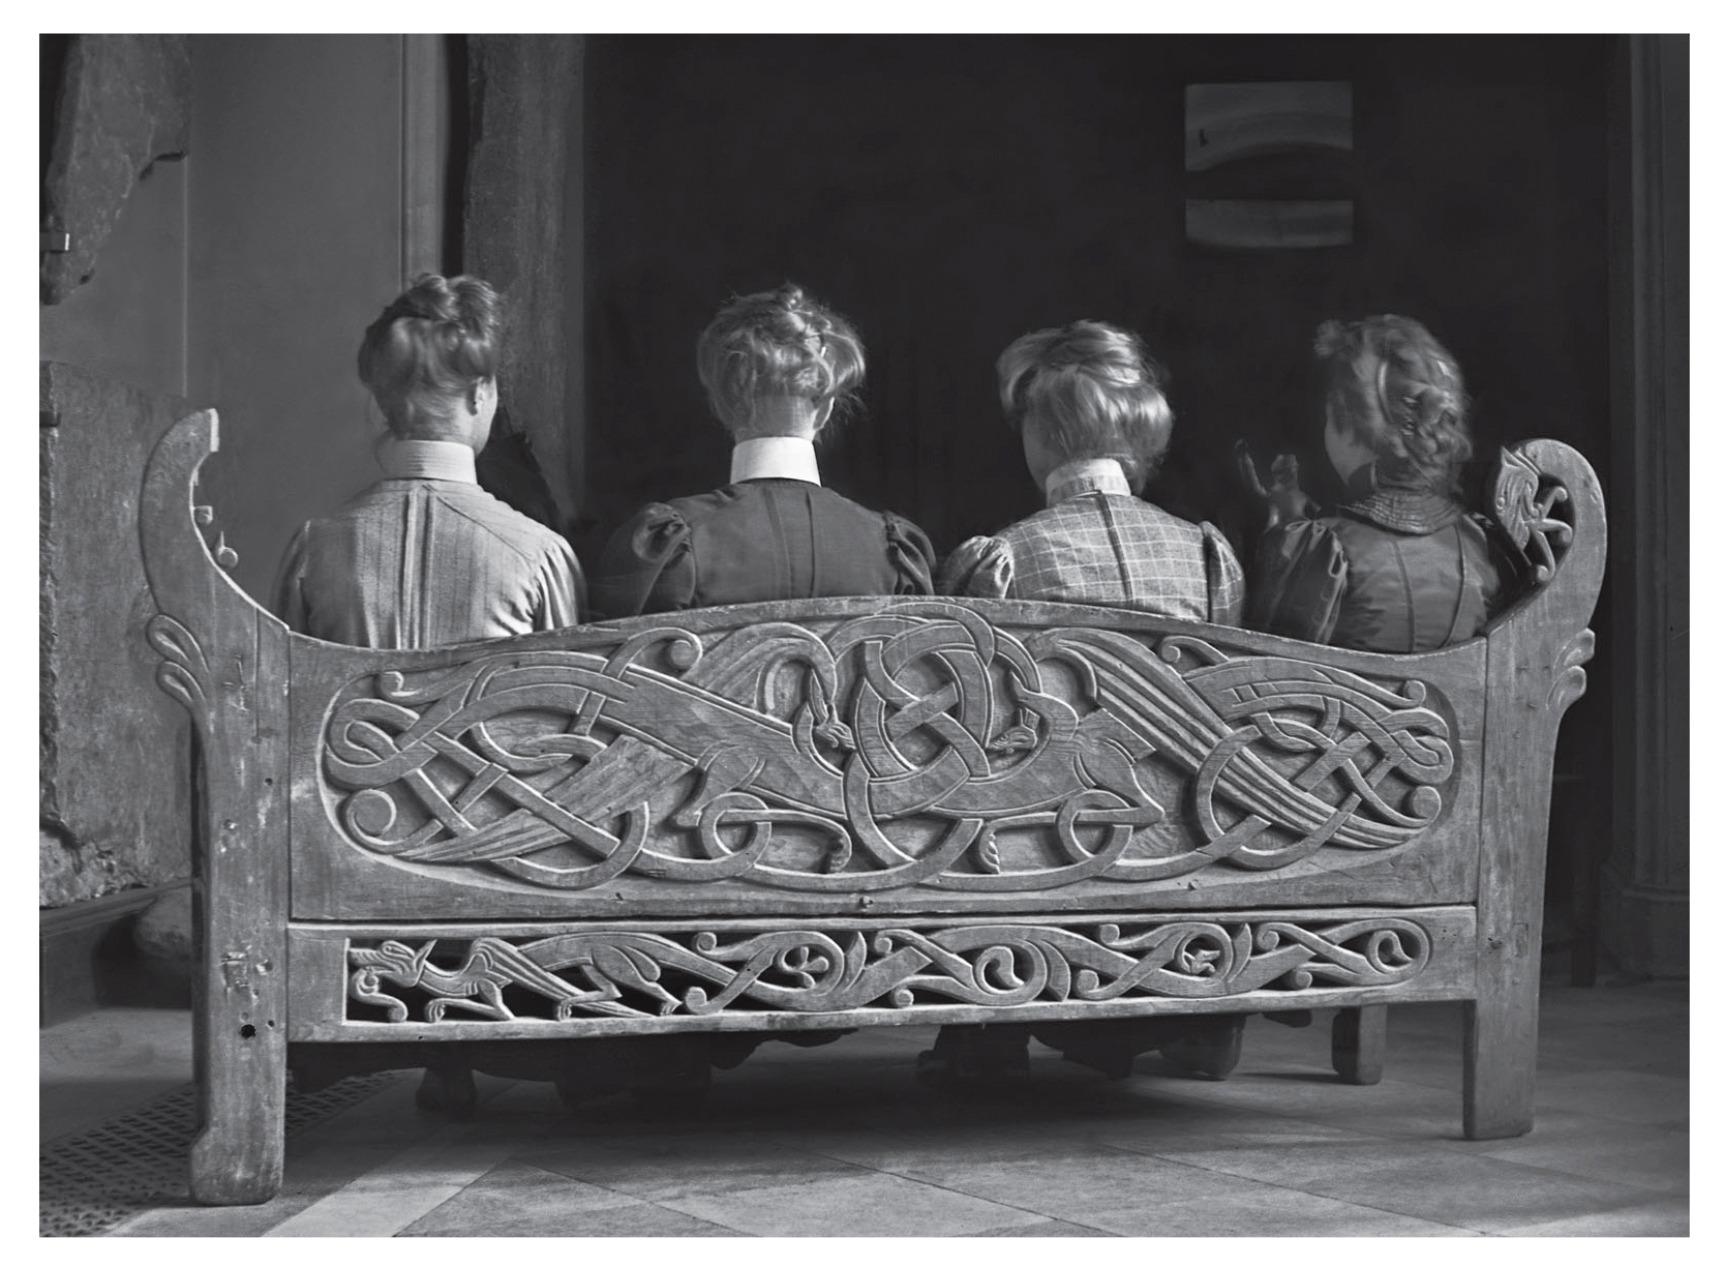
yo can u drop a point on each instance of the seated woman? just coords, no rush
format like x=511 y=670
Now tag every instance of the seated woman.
x=1088 y=404
x=425 y=557
x=775 y=366
x=1089 y=407
x=1401 y=565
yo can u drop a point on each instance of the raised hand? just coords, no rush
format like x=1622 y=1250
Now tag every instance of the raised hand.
x=1283 y=494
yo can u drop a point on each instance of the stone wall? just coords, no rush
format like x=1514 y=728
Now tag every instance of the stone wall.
x=239 y=277
x=114 y=752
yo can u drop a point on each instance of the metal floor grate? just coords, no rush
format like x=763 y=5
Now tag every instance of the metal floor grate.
x=93 y=1180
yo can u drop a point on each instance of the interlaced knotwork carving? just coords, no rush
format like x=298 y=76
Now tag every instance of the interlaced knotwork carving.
x=812 y=970
x=914 y=745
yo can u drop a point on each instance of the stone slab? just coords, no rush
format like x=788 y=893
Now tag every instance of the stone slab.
x=126 y=100
x=114 y=759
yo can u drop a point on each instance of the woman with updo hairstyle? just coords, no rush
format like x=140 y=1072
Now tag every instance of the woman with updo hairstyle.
x=1088 y=404
x=1401 y=565
x=425 y=557
x=777 y=368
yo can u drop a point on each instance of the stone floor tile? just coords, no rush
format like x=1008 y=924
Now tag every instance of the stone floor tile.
x=1264 y=1212
x=1625 y=1096
x=638 y=1220
x=1646 y=1157
x=1427 y=1180
x=895 y=1146
x=697 y=1164
x=311 y=1175
x=1391 y=1107
x=1052 y=1112
x=400 y=1191
x=1318 y=1164
x=866 y=1205
x=518 y=1199
x=1662 y=1218
x=1043 y=1229
x=1220 y=1127
x=1080 y=1185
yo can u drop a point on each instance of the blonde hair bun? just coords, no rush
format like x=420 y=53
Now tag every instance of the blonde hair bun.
x=779 y=343
x=1091 y=390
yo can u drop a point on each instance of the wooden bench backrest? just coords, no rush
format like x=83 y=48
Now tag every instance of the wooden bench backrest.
x=857 y=757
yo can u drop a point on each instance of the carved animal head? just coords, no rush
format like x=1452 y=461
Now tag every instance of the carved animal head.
x=1514 y=500
x=393 y=961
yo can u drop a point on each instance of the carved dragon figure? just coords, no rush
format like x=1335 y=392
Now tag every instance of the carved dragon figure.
x=1522 y=507
x=488 y=968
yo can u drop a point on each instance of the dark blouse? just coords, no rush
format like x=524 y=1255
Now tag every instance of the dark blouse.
x=755 y=540
x=1397 y=571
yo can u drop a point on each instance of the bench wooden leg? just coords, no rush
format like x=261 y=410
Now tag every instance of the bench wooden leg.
x=1501 y=1064
x=1360 y=1043
x=241 y=1059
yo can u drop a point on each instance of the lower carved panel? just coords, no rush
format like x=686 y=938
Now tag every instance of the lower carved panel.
x=729 y=975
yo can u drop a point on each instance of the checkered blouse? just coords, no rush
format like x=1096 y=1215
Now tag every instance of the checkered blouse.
x=1096 y=543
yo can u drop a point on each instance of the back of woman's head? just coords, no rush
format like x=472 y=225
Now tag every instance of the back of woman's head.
x=428 y=348
x=1090 y=390
x=1398 y=391
x=777 y=345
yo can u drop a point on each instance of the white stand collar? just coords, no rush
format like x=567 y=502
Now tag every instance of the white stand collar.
x=1088 y=475
x=775 y=457
x=427 y=459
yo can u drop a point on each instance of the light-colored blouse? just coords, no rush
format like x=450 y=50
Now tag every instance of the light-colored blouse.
x=1095 y=542
x=424 y=558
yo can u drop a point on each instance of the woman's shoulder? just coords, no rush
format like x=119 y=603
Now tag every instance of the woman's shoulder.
x=1121 y=508
x=832 y=499
x=1154 y=513
x=868 y=519
x=693 y=507
x=679 y=516
x=979 y=566
x=649 y=534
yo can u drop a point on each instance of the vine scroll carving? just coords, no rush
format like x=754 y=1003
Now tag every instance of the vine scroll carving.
x=815 y=970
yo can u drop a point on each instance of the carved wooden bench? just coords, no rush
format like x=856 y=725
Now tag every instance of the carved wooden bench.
x=789 y=818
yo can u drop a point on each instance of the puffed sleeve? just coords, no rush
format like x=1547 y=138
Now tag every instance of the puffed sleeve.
x=288 y=597
x=560 y=601
x=910 y=556
x=1298 y=583
x=980 y=567
x=647 y=566
x=1224 y=578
